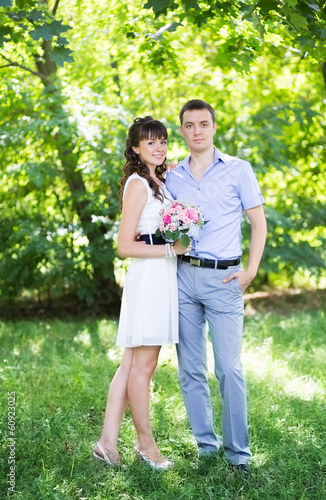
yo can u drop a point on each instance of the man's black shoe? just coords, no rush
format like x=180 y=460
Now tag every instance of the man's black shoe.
x=242 y=468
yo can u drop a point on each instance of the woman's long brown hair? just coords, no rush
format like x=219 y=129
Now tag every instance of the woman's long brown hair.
x=143 y=128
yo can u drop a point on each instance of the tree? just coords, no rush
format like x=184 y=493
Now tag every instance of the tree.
x=63 y=127
x=303 y=20
x=39 y=26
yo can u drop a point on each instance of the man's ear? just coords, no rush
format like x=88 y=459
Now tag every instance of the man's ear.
x=181 y=131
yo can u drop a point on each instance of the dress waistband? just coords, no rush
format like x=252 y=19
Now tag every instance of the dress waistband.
x=151 y=239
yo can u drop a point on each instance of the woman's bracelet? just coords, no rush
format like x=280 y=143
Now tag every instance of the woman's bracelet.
x=169 y=250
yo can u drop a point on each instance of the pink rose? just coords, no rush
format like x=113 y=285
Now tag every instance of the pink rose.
x=193 y=214
x=167 y=219
x=177 y=206
x=183 y=217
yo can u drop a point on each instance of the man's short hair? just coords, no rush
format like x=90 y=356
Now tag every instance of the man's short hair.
x=196 y=104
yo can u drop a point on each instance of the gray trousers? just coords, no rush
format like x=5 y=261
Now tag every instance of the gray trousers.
x=203 y=297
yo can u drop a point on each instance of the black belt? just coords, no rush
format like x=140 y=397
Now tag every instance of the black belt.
x=156 y=240
x=213 y=264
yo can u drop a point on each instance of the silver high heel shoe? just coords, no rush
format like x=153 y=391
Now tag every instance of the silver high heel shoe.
x=104 y=457
x=166 y=464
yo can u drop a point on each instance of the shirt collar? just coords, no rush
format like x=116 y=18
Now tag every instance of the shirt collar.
x=218 y=155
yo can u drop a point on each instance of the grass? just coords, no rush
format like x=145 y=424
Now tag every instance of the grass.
x=60 y=371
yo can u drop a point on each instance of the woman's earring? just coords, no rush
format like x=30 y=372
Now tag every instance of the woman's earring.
x=138 y=160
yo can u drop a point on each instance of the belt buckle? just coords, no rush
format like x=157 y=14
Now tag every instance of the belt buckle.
x=194 y=262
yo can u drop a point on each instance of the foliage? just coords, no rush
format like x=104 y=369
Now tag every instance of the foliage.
x=63 y=125
x=60 y=371
x=304 y=21
x=72 y=248
x=27 y=18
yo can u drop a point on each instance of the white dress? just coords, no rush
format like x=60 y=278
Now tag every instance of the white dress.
x=149 y=307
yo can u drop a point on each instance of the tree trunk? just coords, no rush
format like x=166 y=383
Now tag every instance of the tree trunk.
x=103 y=286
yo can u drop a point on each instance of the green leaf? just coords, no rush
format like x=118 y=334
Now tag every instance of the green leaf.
x=36 y=15
x=130 y=34
x=158 y=233
x=322 y=33
x=258 y=25
x=59 y=28
x=191 y=4
x=43 y=31
x=160 y=6
x=298 y=21
x=273 y=38
x=157 y=5
x=61 y=55
x=5 y=3
x=18 y=16
x=61 y=40
x=185 y=240
x=5 y=32
x=168 y=235
x=176 y=235
x=306 y=41
x=48 y=30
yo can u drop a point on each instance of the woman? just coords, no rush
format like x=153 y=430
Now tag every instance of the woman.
x=149 y=310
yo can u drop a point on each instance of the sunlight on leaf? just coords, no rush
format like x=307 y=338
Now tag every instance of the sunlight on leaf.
x=36 y=347
x=273 y=38
x=84 y=338
x=114 y=354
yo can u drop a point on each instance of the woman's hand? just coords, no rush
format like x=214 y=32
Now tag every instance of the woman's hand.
x=172 y=165
x=180 y=249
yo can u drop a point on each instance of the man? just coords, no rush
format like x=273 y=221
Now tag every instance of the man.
x=211 y=282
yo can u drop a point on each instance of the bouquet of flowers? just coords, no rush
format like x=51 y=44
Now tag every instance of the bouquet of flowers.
x=178 y=221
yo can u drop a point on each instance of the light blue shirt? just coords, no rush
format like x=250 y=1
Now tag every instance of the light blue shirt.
x=227 y=188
